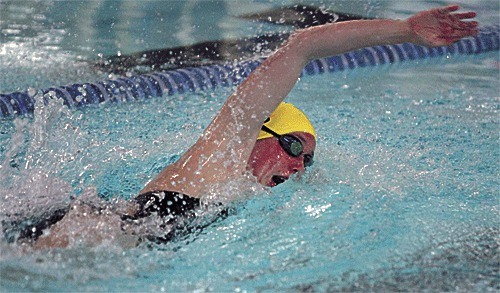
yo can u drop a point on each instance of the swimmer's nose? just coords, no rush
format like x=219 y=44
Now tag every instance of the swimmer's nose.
x=298 y=165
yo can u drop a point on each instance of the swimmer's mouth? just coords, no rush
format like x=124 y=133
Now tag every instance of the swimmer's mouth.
x=279 y=179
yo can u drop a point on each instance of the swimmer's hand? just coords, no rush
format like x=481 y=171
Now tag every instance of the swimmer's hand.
x=441 y=27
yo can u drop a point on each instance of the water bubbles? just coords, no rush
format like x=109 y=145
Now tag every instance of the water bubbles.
x=316 y=211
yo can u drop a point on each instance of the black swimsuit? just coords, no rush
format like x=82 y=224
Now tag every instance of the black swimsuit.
x=32 y=228
x=165 y=203
x=175 y=209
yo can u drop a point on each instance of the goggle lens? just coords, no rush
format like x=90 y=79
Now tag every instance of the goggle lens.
x=291 y=145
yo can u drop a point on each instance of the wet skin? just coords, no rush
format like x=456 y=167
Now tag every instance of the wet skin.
x=271 y=165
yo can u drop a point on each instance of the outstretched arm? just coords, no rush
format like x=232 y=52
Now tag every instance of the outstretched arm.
x=224 y=148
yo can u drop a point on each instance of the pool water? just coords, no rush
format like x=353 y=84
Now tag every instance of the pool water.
x=403 y=194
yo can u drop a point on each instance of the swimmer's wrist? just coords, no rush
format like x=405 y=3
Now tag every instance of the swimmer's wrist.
x=401 y=32
x=412 y=36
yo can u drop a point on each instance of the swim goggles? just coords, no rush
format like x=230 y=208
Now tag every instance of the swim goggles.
x=291 y=145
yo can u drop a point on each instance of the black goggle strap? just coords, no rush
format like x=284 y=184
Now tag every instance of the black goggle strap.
x=270 y=131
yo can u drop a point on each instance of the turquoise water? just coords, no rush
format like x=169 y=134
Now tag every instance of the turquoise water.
x=403 y=194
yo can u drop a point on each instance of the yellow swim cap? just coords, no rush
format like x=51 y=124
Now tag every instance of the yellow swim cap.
x=286 y=119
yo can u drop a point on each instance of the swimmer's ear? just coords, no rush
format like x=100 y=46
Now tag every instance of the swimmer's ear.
x=301 y=16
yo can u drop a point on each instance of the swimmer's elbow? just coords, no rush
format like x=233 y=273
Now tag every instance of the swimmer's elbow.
x=317 y=42
x=300 y=42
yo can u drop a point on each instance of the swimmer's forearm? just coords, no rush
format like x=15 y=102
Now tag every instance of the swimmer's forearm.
x=338 y=38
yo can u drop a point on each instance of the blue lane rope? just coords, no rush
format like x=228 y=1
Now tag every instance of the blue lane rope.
x=202 y=78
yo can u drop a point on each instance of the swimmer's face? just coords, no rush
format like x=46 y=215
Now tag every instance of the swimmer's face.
x=272 y=165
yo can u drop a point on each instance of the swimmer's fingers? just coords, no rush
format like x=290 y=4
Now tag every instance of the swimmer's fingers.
x=440 y=27
x=469 y=24
x=446 y=9
x=451 y=36
x=468 y=28
x=465 y=15
x=461 y=29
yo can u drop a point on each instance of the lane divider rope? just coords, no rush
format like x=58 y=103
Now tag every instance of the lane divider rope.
x=178 y=81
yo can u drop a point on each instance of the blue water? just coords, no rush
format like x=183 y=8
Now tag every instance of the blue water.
x=403 y=194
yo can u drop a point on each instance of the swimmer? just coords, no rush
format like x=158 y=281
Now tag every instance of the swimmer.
x=256 y=136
